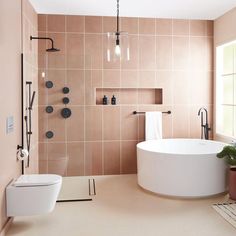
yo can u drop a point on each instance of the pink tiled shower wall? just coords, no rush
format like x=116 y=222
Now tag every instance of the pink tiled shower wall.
x=175 y=55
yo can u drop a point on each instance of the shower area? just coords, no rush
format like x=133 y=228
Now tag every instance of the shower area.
x=77 y=134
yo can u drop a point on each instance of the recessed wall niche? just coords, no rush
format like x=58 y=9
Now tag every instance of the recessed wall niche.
x=130 y=96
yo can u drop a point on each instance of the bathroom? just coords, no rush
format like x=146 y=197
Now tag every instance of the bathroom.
x=172 y=67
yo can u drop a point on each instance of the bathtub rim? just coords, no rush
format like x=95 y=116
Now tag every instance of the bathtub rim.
x=180 y=154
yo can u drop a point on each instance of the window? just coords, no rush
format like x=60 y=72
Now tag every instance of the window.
x=226 y=90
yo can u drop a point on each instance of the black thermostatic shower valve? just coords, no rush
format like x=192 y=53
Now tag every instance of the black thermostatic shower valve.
x=49 y=134
x=49 y=109
x=65 y=90
x=49 y=84
x=65 y=100
x=65 y=113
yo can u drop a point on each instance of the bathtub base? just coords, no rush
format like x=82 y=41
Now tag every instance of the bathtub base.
x=181 y=168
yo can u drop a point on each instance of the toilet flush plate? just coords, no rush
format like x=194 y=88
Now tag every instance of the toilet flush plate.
x=79 y=188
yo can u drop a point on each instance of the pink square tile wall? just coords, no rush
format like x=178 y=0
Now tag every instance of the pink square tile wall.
x=174 y=55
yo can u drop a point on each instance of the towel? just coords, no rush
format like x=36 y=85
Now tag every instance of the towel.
x=153 y=125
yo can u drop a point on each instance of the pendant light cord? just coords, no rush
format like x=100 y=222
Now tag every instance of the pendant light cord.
x=117 y=19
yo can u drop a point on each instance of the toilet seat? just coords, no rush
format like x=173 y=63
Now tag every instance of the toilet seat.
x=37 y=180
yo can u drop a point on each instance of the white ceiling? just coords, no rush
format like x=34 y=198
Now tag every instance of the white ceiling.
x=182 y=9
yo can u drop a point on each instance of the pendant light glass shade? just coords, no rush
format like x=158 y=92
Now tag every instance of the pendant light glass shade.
x=117 y=46
x=117 y=42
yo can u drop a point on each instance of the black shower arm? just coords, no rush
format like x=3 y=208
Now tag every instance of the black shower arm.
x=44 y=38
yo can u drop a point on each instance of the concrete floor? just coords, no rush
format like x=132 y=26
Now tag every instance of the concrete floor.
x=122 y=208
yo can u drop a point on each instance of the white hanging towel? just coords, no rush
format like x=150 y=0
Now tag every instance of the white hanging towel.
x=153 y=125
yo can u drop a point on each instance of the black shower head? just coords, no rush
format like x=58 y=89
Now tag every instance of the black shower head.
x=53 y=50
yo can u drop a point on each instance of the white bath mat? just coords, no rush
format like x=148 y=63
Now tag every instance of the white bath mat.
x=227 y=211
x=79 y=188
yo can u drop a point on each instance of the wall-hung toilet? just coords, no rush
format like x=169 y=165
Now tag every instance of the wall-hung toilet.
x=32 y=194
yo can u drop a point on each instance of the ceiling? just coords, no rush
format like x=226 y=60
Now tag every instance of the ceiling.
x=181 y=9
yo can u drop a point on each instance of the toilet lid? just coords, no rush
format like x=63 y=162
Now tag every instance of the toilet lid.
x=37 y=180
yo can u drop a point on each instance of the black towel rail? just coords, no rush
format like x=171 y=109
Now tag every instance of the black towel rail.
x=143 y=112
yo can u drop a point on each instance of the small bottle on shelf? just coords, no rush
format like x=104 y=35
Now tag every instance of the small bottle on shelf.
x=105 y=100
x=113 y=100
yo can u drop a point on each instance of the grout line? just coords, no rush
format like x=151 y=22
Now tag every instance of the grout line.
x=85 y=153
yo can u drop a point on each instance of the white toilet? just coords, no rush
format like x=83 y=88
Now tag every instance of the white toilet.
x=32 y=194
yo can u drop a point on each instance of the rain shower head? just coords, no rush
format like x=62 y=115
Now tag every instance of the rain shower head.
x=52 y=49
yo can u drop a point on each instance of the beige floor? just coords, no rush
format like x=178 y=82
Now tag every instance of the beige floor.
x=122 y=208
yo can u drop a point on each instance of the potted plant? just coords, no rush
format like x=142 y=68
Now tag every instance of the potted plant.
x=229 y=154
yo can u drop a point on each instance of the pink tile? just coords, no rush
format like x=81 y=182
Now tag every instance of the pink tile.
x=111 y=78
x=133 y=50
x=109 y=24
x=56 y=151
x=111 y=158
x=42 y=22
x=180 y=27
x=43 y=151
x=75 y=23
x=181 y=85
x=198 y=27
x=181 y=121
x=56 y=23
x=129 y=123
x=163 y=26
x=93 y=158
x=93 y=24
x=128 y=96
x=129 y=24
x=75 y=165
x=57 y=167
x=76 y=83
x=129 y=157
x=55 y=93
x=180 y=53
x=56 y=124
x=111 y=123
x=147 y=53
x=210 y=28
x=93 y=123
x=75 y=51
x=164 y=52
x=75 y=124
x=129 y=78
x=198 y=53
x=165 y=81
x=93 y=80
x=147 y=26
x=147 y=79
x=93 y=52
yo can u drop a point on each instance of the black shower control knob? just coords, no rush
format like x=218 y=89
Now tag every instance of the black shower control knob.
x=66 y=113
x=49 y=109
x=49 y=84
x=65 y=100
x=65 y=90
x=49 y=134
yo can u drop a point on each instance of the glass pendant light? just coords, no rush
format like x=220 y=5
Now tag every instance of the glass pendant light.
x=117 y=42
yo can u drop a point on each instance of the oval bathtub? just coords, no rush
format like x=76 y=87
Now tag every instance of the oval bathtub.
x=181 y=167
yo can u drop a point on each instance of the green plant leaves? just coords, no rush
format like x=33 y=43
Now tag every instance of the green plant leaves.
x=229 y=154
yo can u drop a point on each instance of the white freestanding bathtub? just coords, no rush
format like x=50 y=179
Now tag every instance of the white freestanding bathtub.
x=181 y=167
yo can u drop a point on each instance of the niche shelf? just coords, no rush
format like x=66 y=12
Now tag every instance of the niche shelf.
x=130 y=95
